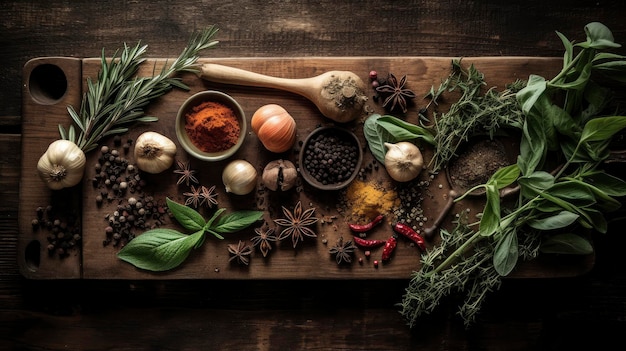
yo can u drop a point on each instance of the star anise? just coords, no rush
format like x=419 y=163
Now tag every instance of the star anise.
x=396 y=94
x=296 y=224
x=186 y=173
x=263 y=239
x=240 y=252
x=194 y=198
x=208 y=196
x=343 y=251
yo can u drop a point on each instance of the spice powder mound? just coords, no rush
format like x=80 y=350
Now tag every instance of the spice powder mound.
x=212 y=127
x=367 y=199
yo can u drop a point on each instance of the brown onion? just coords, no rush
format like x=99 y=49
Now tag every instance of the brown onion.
x=274 y=127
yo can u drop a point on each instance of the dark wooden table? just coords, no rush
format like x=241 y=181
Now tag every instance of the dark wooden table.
x=584 y=312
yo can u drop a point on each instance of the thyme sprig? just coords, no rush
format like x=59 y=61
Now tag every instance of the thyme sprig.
x=474 y=275
x=118 y=98
x=474 y=113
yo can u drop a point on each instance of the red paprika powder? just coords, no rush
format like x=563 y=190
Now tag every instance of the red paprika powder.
x=212 y=127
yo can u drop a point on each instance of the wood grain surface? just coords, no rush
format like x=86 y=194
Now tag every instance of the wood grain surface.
x=575 y=313
x=311 y=259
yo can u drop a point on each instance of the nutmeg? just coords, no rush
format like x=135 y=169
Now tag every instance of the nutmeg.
x=280 y=175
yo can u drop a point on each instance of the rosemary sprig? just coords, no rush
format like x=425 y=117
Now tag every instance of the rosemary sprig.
x=118 y=98
x=473 y=113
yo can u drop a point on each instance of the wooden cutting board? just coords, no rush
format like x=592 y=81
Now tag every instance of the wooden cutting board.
x=53 y=83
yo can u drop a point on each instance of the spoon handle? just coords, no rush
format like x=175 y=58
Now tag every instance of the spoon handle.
x=230 y=75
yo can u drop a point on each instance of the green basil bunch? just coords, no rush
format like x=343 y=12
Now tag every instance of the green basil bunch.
x=163 y=249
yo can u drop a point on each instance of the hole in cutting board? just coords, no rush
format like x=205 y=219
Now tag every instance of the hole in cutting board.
x=47 y=84
x=32 y=255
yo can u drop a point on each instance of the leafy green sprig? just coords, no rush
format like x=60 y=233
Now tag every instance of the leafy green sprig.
x=556 y=207
x=118 y=98
x=163 y=249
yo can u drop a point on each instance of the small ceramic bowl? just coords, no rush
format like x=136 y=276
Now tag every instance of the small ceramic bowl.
x=187 y=107
x=342 y=135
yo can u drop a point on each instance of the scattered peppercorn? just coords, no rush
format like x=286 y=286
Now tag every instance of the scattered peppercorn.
x=115 y=179
x=63 y=227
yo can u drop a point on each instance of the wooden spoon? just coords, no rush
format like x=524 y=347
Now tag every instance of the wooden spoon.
x=339 y=95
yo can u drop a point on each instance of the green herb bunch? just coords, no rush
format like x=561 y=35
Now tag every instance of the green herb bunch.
x=559 y=203
x=163 y=249
x=475 y=112
x=474 y=276
x=118 y=98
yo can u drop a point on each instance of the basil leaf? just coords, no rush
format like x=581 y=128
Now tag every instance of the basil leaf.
x=604 y=200
x=595 y=219
x=398 y=133
x=531 y=92
x=599 y=36
x=557 y=221
x=602 y=128
x=490 y=220
x=375 y=141
x=159 y=249
x=504 y=176
x=533 y=184
x=506 y=253
x=533 y=146
x=566 y=243
x=417 y=131
x=573 y=192
x=563 y=122
x=236 y=221
x=608 y=184
x=186 y=216
x=569 y=49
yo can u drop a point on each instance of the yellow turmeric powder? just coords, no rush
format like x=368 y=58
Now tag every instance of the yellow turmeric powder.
x=367 y=199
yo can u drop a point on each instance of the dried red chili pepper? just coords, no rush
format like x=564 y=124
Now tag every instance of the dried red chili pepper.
x=362 y=228
x=368 y=244
x=410 y=234
x=390 y=245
